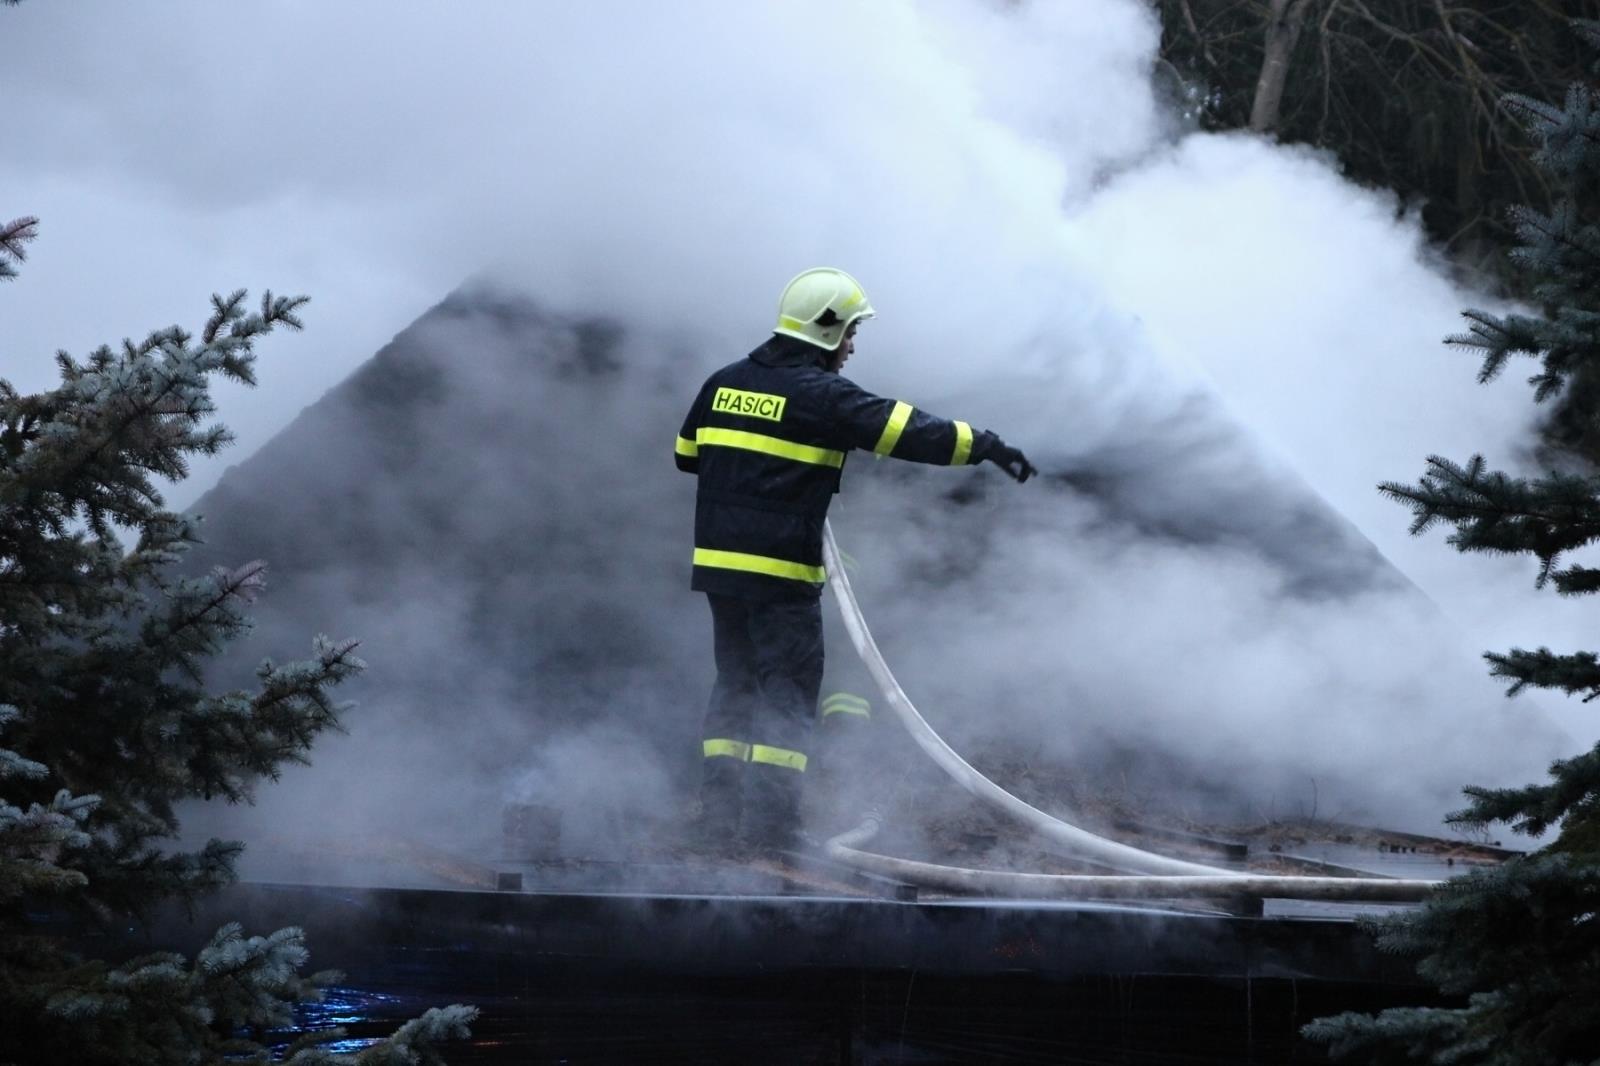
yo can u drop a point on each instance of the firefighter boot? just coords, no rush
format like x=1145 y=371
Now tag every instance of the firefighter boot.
x=772 y=809
x=845 y=765
x=716 y=829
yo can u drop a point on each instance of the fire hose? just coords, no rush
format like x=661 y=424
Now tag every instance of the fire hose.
x=1149 y=875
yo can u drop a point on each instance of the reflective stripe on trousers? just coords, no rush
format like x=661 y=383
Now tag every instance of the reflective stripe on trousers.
x=846 y=703
x=758 y=753
x=760 y=564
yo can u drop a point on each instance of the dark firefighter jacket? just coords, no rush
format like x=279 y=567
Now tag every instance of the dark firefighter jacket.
x=768 y=436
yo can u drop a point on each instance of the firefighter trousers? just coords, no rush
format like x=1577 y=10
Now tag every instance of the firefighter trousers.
x=759 y=723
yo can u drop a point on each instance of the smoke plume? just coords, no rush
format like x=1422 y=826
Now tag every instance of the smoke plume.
x=1214 y=347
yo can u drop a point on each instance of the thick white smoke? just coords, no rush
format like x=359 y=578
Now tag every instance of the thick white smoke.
x=1051 y=256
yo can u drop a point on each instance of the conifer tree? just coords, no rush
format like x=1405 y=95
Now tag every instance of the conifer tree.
x=1521 y=943
x=107 y=723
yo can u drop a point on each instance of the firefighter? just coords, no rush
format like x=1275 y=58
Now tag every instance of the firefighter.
x=767 y=437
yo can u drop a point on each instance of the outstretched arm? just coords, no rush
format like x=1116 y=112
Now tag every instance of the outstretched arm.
x=896 y=429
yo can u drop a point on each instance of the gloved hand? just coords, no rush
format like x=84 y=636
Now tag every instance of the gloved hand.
x=1010 y=459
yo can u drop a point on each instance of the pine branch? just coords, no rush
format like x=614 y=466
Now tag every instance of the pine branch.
x=1499 y=338
x=1519 y=940
x=1576 y=580
x=159 y=1007
x=1493 y=512
x=117 y=419
x=203 y=615
x=128 y=873
x=35 y=842
x=1404 y=1035
x=1572 y=674
x=229 y=742
x=1566 y=134
x=14 y=237
x=1536 y=808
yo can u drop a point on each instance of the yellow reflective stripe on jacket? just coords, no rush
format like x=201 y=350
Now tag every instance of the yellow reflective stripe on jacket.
x=760 y=442
x=759 y=564
x=687 y=448
x=846 y=703
x=735 y=749
x=793 y=760
x=893 y=428
x=963 y=445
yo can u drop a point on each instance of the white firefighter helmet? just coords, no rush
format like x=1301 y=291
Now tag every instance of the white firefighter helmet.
x=819 y=304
